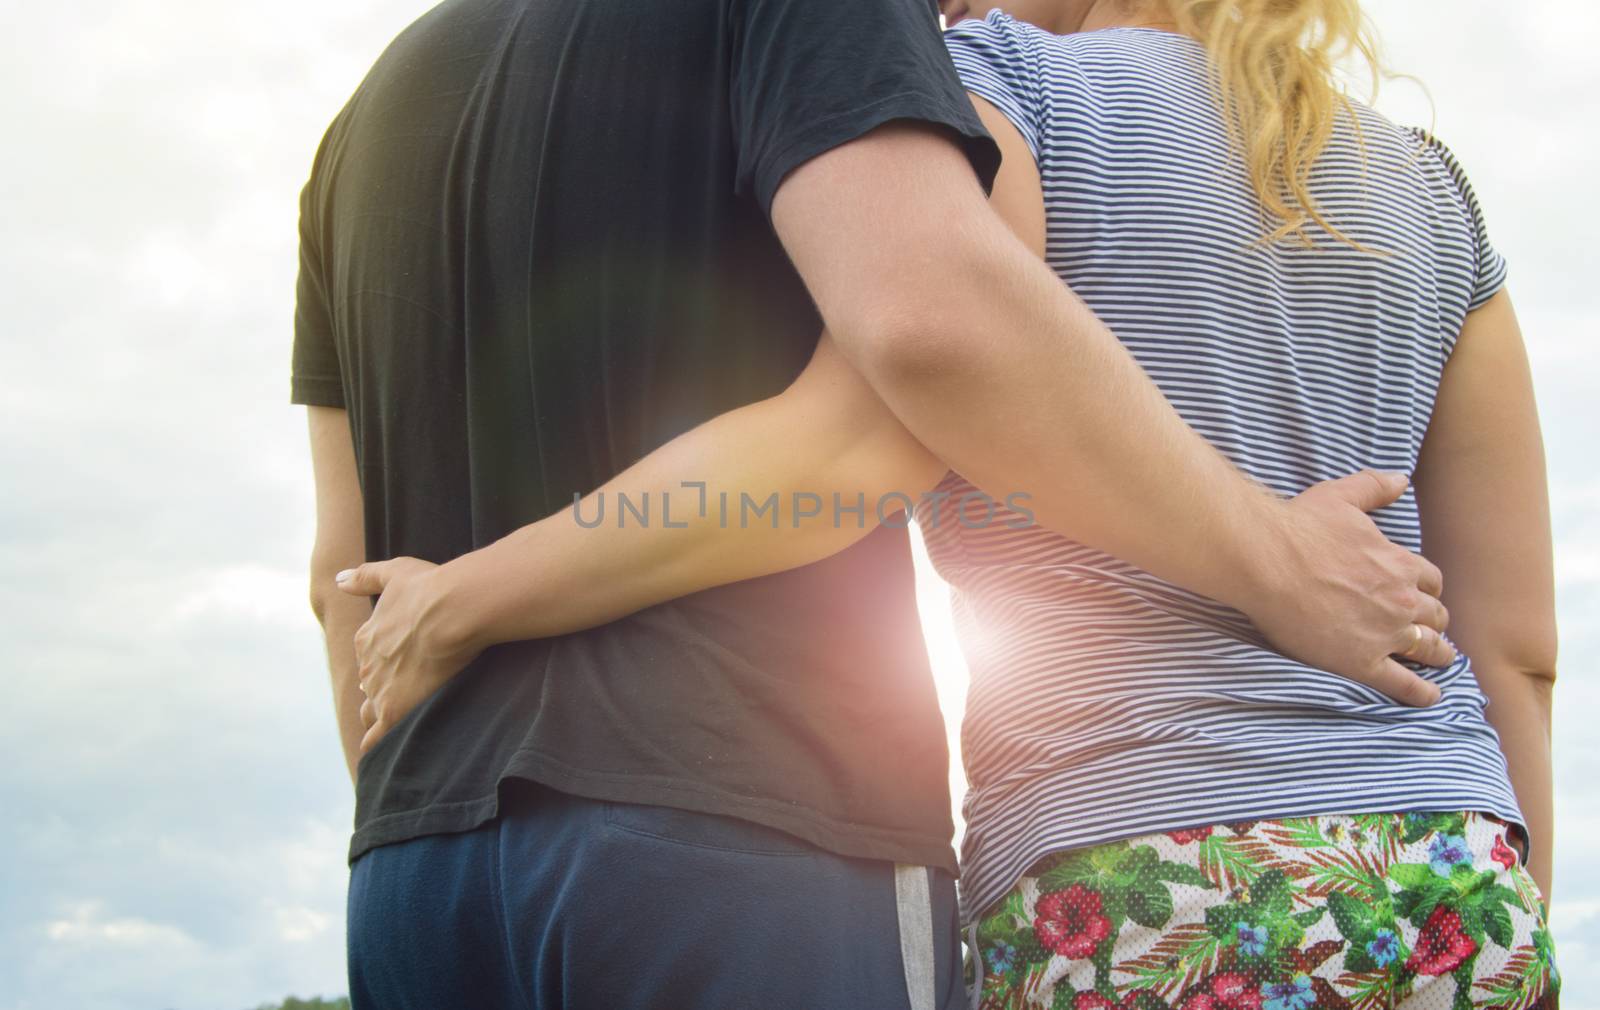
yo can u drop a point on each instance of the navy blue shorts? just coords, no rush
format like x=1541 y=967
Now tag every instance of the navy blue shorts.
x=565 y=903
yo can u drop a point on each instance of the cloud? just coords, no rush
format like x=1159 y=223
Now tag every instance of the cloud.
x=86 y=924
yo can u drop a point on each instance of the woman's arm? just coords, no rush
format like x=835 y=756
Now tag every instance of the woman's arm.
x=340 y=542
x=1486 y=519
x=1018 y=193
x=828 y=433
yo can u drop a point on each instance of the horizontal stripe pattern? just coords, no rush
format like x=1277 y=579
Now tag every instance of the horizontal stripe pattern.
x=1104 y=702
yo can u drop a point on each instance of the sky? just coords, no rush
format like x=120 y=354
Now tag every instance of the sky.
x=173 y=806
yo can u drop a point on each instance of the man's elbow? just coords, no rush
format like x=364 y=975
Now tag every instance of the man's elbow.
x=911 y=346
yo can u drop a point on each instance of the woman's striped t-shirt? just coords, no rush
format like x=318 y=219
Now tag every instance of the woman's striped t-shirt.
x=1106 y=703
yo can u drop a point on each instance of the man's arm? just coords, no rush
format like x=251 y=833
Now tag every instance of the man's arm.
x=994 y=365
x=1486 y=519
x=340 y=544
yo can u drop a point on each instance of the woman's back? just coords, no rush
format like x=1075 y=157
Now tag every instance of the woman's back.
x=1106 y=703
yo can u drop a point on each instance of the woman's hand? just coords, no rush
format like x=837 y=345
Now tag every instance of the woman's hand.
x=408 y=648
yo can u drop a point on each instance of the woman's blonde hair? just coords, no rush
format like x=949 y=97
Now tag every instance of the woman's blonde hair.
x=1275 y=67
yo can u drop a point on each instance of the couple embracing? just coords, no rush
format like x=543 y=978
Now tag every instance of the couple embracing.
x=1176 y=354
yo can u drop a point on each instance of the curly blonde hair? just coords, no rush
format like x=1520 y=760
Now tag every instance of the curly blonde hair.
x=1274 y=66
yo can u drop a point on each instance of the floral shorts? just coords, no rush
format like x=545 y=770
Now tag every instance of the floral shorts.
x=1422 y=911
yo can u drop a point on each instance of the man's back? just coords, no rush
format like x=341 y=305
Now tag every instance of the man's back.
x=534 y=248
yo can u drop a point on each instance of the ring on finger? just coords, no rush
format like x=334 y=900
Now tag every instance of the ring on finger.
x=1416 y=641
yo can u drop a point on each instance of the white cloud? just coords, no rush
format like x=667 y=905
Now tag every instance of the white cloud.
x=301 y=925
x=87 y=924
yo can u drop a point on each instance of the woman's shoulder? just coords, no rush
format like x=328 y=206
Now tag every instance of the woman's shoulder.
x=1000 y=28
x=1411 y=152
x=995 y=24
x=1106 y=58
x=1426 y=142
x=995 y=34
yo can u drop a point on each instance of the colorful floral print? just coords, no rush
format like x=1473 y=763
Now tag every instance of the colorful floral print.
x=1070 y=923
x=1324 y=913
x=1446 y=852
x=1503 y=853
x=1252 y=940
x=1295 y=994
x=1383 y=948
x=1442 y=946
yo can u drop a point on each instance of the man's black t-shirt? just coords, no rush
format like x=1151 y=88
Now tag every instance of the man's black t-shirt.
x=535 y=247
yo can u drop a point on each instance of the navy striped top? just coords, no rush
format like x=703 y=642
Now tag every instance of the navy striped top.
x=1106 y=703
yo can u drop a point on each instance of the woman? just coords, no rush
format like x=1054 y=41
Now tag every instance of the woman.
x=1163 y=810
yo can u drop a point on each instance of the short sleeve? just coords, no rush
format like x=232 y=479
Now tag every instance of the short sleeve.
x=810 y=76
x=1490 y=265
x=314 y=372
x=996 y=61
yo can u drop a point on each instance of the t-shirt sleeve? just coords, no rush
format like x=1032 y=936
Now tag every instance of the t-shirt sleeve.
x=314 y=377
x=996 y=61
x=810 y=76
x=1490 y=266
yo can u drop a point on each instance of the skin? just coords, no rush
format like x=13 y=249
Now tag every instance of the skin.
x=1486 y=518
x=340 y=543
x=919 y=306
x=1063 y=17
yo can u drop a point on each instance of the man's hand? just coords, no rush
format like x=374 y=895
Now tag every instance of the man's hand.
x=405 y=651
x=1342 y=597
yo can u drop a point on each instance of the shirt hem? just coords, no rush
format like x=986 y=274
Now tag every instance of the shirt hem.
x=316 y=391
x=839 y=129
x=841 y=838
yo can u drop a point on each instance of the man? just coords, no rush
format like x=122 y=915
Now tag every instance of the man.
x=543 y=238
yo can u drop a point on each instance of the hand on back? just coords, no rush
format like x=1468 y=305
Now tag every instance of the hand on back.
x=1339 y=595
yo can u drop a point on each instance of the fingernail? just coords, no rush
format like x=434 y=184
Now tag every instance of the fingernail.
x=345 y=576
